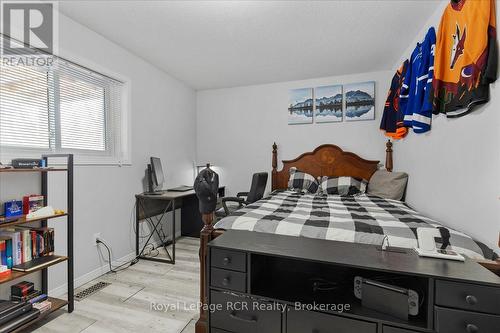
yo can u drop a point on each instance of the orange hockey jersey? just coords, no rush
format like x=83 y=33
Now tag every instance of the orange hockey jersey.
x=466 y=57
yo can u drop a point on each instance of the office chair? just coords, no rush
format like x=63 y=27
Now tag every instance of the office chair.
x=259 y=182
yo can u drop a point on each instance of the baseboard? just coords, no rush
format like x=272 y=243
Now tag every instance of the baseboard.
x=94 y=274
x=86 y=278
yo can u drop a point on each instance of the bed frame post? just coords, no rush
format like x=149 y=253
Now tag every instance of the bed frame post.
x=275 y=166
x=388 y=156
x=205 y=237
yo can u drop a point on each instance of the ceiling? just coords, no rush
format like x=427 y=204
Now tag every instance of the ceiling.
x=215 y=44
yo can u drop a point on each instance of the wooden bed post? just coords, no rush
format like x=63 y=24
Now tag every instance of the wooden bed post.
x=275 y=166
x=388 y=156
x=205 y=237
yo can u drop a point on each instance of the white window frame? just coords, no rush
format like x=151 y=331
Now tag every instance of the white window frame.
x=121 y=154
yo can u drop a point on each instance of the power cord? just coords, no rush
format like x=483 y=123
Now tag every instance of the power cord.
x=147 y=251
x=119 y=267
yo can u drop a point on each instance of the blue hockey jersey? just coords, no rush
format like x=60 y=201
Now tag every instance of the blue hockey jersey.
x=415 y=98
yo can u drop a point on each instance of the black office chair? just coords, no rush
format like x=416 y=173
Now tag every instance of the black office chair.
x=259 y=182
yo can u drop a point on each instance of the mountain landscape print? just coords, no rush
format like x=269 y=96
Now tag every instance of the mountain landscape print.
x=300 y=106
x=328 y=104
x=360 y=101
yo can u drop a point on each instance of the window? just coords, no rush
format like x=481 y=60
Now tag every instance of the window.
x=63 y=108
x=24 y=120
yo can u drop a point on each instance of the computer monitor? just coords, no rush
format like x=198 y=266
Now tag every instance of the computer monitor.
x=155 y=175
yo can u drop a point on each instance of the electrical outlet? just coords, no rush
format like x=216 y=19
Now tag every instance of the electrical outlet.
x=94 y=239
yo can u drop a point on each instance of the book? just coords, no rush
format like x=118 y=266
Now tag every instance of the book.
x=32 y=203
x=8 y=253
x=22 y=288
x=32 y=295
x=43 y=306
x=36 y=263
x=13 y=208
x=15 y=248
x=3 y=252
x=38 y=299
x=26 y=239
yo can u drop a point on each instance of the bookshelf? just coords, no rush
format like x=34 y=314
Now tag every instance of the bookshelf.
x=56 y=305
x=42 y=222
x=6 y=223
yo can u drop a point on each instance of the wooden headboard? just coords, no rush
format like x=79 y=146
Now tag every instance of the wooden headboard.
x=327 y=160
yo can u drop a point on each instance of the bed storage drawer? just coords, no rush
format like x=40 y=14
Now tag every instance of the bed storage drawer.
x=468 y=297
x=228 y=279
x=238 y=314
x=307 y=321
x=233 y=260
x=458 y=321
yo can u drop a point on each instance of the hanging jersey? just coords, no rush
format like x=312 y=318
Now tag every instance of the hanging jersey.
x=466 y=57
x=392 y=118
x=416 y=91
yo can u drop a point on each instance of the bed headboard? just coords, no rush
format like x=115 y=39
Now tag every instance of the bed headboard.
x=327 y=160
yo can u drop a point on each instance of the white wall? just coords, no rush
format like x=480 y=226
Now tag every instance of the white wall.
x=237 y=127
x=454 y=169
x=163 y=124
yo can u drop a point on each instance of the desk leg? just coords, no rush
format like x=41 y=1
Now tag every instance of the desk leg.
x=137 y=217
x=173 y=231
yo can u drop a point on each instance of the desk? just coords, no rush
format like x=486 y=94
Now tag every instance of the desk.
x=153 y=208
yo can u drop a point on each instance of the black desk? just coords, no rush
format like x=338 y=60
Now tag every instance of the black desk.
x=248 y=268
x=154 y=208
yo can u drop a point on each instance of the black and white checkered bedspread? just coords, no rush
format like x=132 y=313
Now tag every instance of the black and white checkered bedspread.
x=359 y=219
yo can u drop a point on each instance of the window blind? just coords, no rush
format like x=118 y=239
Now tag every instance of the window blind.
x=62 y=108
x=24 y=119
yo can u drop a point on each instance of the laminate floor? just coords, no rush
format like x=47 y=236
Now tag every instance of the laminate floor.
x=146 y=297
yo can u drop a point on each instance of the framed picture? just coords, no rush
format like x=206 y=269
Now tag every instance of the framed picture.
x=360 y=101
x=300 y=106
x=328 y=104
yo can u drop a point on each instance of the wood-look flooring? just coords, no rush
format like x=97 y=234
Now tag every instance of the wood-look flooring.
x=133 y=301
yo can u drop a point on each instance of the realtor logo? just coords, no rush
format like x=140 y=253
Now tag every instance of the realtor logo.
x=29 y=24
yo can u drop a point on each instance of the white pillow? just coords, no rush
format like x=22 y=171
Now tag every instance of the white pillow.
x=388 y=185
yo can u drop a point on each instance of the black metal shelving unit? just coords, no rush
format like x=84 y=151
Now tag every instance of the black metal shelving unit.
x=44 y=172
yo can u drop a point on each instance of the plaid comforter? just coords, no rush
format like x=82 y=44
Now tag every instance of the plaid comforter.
x=359 y=219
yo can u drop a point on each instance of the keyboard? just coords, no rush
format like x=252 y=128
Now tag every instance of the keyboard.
x=181 y=188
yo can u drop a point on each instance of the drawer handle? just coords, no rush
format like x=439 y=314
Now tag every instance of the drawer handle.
x=315 y=331
x=472 y=328
x=471 y=300
x=246 y=320
x=226 y=281
x=227 y=261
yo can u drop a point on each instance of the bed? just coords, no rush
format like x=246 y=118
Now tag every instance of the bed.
x=361 y=218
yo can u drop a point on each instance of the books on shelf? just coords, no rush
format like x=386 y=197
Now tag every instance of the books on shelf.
x=20 y=245
x=33 y=296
